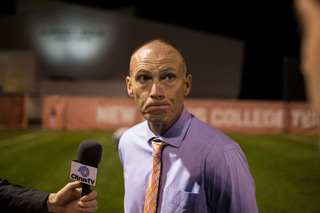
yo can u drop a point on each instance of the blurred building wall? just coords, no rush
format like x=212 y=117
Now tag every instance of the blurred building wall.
x=80 y=49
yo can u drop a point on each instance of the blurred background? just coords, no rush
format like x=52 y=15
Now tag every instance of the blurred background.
x=240 y=50
x=63 y=65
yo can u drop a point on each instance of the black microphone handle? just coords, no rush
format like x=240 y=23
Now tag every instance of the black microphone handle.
x=85 y=189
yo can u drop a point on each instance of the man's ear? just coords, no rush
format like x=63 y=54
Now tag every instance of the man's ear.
x=129 y=86
x=187 y=85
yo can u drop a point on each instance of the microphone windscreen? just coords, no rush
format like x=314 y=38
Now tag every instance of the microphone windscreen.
x=89 y=153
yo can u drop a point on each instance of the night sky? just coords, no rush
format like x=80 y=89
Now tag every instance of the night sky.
x=270 y=32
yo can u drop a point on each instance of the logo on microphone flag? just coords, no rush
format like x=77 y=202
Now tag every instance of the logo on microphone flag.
x=83 y=173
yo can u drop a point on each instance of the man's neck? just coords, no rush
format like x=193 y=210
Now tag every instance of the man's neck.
x=158 y=128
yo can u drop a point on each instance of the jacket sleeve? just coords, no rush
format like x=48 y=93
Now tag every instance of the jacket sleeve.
x=14 y=198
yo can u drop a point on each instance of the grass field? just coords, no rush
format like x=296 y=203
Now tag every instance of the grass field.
x=285 y=167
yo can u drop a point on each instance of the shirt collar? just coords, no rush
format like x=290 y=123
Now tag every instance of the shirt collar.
x=176 y=133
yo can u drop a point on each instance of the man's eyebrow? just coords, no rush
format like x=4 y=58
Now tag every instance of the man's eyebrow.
x=167 y=68
x=142 y=70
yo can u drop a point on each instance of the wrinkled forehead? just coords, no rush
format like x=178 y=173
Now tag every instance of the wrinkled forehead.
x=155 y=51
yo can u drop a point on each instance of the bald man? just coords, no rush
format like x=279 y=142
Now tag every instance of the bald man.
x=201 y=169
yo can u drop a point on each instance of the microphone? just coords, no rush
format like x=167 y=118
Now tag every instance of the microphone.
x=89 y=154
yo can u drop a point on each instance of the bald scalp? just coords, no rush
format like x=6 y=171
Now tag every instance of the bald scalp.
x=159 y=48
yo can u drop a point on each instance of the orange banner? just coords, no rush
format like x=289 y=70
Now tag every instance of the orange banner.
x=65 y=112
x=13 y=111
x=239 y=116
x=81 y=113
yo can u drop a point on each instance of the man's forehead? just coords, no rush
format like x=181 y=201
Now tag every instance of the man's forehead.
x=156 y=52
x=156 y=48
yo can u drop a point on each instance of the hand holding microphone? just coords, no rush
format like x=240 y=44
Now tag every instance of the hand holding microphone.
x=84 y=172
x=69 y=200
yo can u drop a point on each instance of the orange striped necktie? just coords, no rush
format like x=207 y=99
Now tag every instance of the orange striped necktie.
x=150 y=205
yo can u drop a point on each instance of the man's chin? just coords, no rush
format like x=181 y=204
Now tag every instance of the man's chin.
x=155 y=117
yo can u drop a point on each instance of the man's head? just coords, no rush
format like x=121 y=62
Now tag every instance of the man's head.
x=158 y=82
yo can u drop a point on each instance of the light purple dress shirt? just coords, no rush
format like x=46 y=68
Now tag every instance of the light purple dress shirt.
x=203 y=170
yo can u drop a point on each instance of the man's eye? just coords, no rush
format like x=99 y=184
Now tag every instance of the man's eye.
x=170 y=77
x=143 y=78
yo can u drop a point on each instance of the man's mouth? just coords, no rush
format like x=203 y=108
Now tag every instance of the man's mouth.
x=157 y=106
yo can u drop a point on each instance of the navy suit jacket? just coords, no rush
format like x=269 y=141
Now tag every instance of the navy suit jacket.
x=16 y=199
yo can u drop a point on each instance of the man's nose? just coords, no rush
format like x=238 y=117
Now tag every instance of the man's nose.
x=156 y=91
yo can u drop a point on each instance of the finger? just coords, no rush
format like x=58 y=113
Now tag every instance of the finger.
x=88 y=210
x=73 y=185
x=90 y=206
x=90 y=196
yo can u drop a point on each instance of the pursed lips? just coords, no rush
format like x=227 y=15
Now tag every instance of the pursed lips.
x=157 y=105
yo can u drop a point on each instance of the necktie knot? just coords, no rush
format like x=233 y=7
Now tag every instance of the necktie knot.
x=157 y=146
